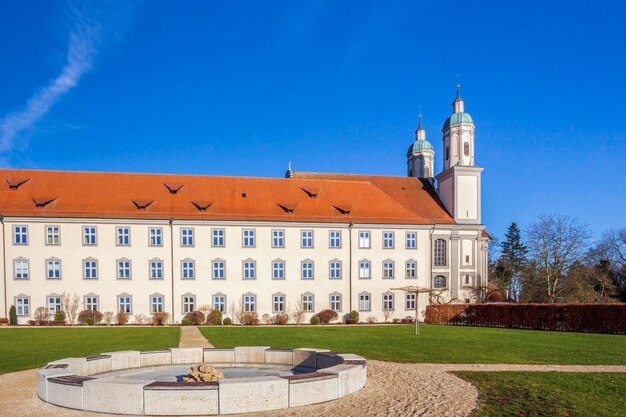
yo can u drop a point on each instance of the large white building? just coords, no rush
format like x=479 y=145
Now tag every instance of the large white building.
x=157 y=242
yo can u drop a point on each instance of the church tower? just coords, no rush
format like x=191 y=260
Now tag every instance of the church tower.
x=421 y=155
x=459 y=185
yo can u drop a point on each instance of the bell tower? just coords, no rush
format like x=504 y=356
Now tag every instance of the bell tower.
x=421 y=155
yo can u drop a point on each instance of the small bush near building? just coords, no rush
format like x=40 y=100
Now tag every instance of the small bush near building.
x=353 y=317
x=94 y=317
x=122 y=318
x=59 y=316
x=195 y=317
x=250 y=319
x=281 y=318
x=185 y=322
x=371 y=319
x=12 y=315
x=315 y=320
x=42 y=318
x=141 y=319
x=214 y=318
x=326 y=316
x=160 y=318
x=228 y=321
x=407 y=320
x=266 y=319
x=108 y=317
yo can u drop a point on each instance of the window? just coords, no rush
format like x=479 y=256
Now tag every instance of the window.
x=249 y=303
x=388 y=270
x=156 y=236
x=387 y=240
x=123 y=269
x=278 y=269
x=21 y=267
x=439 y=281
x=278 y=238
x=188 y=269
x=124 y=303
x=22 y=306
x=186 y=237
x=20 y=235
x=156 y=269
x=278 y=303
x=53 y=269
x=123 y=236
x=217 y=239
x=387 y=301
x=335 y=239
x=409 y=301
x=249 y=269
x=156 y=303
x=467 y=259
x=335 y=302
x=364 y=302
x=335 y=269
x=90 y=236
x=466 y=149
x=306 y=240
x=467 y=280
x=189 y=303
x=91 y=302
x=467 y=301
x=307 y=270
x=411 y=240
x=447 y=153
x=219 y=269
x=440 y=252
x=54 y=304
x=365 y=271
x=411 y=269
x=219 y=302
x=248 y=238
x=53 y=235
x=307 y=302
x=90 y=269
x=364 y=239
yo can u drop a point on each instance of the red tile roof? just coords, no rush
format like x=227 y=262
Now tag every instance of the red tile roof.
x=307 y=197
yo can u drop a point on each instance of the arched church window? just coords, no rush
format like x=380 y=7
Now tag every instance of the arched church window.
x=440 y=252
x=466 y=149
x=447 y=153
x=439 y=281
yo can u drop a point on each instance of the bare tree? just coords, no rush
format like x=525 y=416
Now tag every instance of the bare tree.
x=296 y=313
x=70 y=305
x=555 y=243
x=589 y=284
x=41 y=316
x=387 y=315
x=108 y=317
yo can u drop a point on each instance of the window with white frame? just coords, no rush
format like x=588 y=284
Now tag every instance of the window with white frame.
x=387 y=240
x=123 y=269
x=365 y=302
x=365 y=270
x=217 y=237
x=411 y=269
x=156 y=269
x=22 y=306
x=90 y=269
x=306 y=238
x=467 y=280
x=188 y=269
x=306 y=270
x=439 y=281
x=91 y=302
x=388 y=301
x=219 y=303
x=248 y=238
x=335 y=302
x=218 y=269
x=20 y=235
x=249 y=303
x=189 y=303
x=53 y=269
x=90 y=235
x=156 y=303
x=249 y=269
x=22 y=268
x=156 y=236
x=411 y=240
x=53 y=235
x=364 y=239
x=388 y=269
x=335 y=239
x=54 y=304
x=440 y=252
x=307 y=302
x=123 y=235
x=278 y=238
x=278 y=269
x=335 y=269
x=278 y=303
x=186 y=237
x=409 y=300
x=124 y=303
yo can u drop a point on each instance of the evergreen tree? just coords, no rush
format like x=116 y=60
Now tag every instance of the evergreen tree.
x=12 y=315
x=513 y=258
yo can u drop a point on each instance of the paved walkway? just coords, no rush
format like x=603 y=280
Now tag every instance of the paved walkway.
x=190 y=336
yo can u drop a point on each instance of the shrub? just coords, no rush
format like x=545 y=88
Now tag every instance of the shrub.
x=122 y=318
x=214 y=317
x=4 y=320
x=31 y=322
x=108 y=317
x=228 y=321
x=281 y=318
x=59 y=316
x=353 y=317
x=250 y=319
x=141 y=319
x=12 y=315
x=396 y=321
x=94 y=315
x=326 y=316
x=315 y=320
x=185 y=322
x=160 y=318
x=407 y=320
x=266 y=319
x=41 y=316
x=195 y=317
x=371 y=319
x=297 y=314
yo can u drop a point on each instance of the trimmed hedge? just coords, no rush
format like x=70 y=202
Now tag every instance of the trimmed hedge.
x=589 y=318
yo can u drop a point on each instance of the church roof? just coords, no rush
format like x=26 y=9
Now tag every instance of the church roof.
x=419 y=145
x=458 y=118
x=336 y=197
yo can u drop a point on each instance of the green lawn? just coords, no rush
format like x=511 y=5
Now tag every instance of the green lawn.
x=441 y=344
x=32 y=348
x=549 y=394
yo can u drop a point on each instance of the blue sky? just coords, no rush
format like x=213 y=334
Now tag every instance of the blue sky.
x=241 y=88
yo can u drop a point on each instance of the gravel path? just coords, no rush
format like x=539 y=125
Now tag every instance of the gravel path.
x=190 y=336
